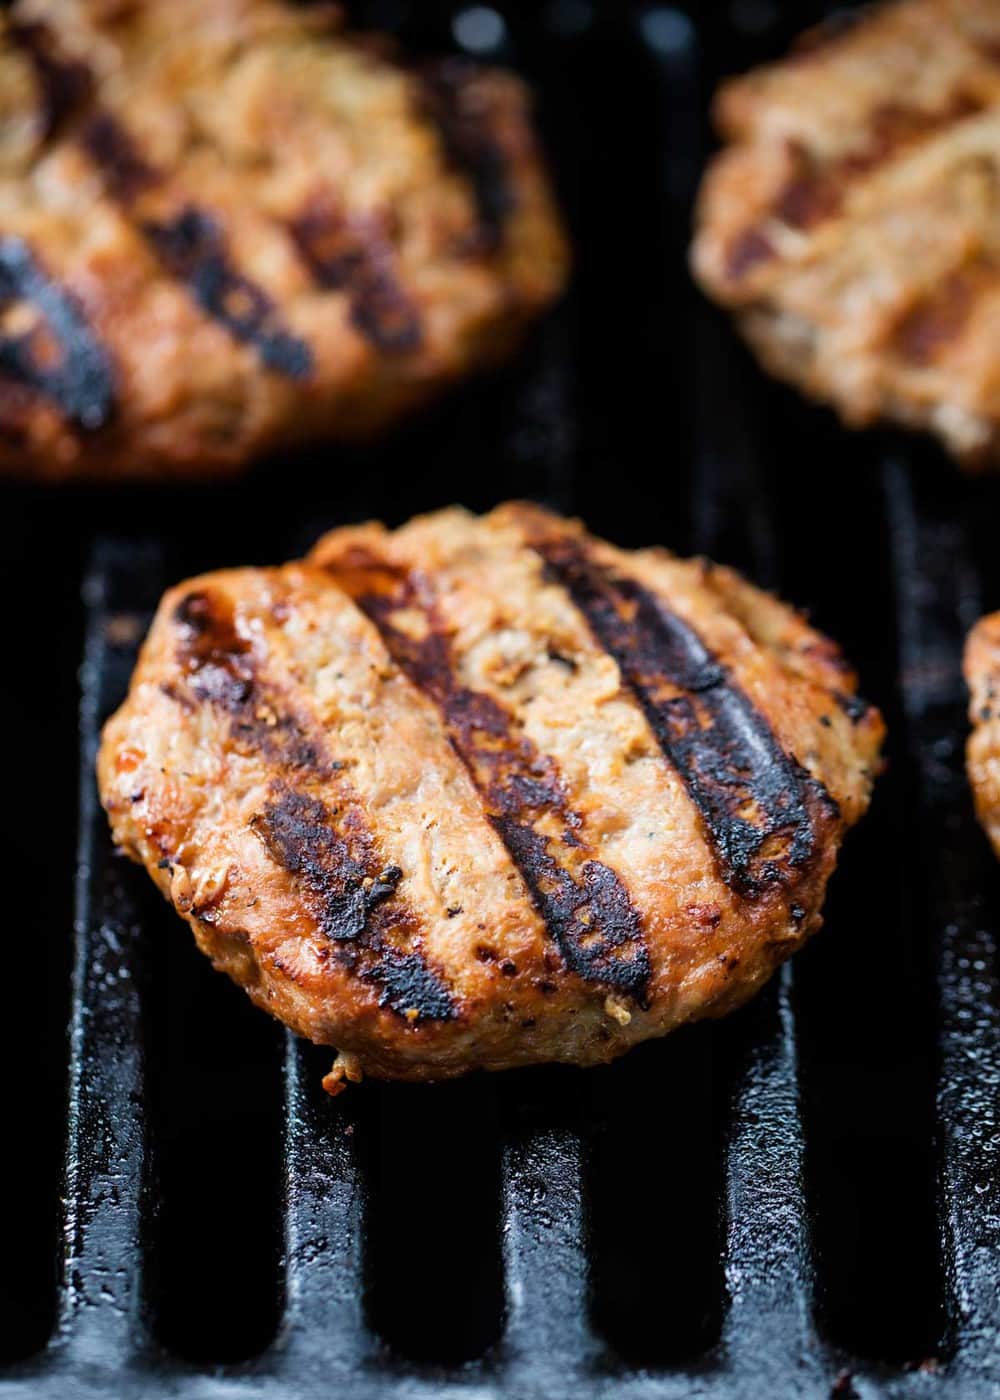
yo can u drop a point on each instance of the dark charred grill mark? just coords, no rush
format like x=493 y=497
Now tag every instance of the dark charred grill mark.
x=748 y=251
x=409 y=987
x=590 y=917
x=220 y=668
x=354 y=902
x=812 y=195
x=333 y=866
x=354 y=254
x=989 y=47
x=759 y=806
x=59 y=356
x=192 y=248
x=456 y=106
x=939 y=318
x=124 y=170
x=815 y=192
x=894 y=126
x=351 y=893
x=63 y=84
x=219 y=662
x=585 y=906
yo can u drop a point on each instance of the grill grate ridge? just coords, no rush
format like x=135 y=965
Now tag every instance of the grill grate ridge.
x=325 y=1197
x=939 y=599
x=101 y=1314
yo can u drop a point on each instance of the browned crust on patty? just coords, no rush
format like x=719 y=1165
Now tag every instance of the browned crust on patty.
x=486 y=791
x=230 y=226
x=852 y=221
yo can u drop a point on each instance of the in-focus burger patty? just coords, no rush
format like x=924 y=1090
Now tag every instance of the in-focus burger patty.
x=852 y=221
x=487 y=791
x=228 y=226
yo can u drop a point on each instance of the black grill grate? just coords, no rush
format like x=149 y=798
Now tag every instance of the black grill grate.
x=803 y=1200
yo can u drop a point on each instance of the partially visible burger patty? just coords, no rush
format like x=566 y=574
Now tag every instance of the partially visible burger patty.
x=982 y=672
x=852 y=221
x=485 y=792
x=228 y=226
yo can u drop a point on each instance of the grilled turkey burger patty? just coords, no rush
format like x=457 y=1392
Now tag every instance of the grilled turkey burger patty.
x=229 y=226
x=852 y=221
x=484 y=792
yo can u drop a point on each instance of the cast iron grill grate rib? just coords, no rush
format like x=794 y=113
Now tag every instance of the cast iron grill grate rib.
x=803 y=1200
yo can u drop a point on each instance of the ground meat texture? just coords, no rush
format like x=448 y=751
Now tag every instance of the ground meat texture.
x=486 y=791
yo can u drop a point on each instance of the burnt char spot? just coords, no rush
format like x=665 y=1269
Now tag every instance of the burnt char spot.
x=585 y=907
x=758 y=804
x=124 y=170
x=352 y=253
x=352 y=894
x=410 y=988
x=354 y=902
x=464 y=125
x=61 y=358
x=193 y=249
x=62 y=83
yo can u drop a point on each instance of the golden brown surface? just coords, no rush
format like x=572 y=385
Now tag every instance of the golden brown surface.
x=982 y=672
x=853 y=220
x=485 y=791
x=227 y=227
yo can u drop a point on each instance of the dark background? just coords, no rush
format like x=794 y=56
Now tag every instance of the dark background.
x=602 y=415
